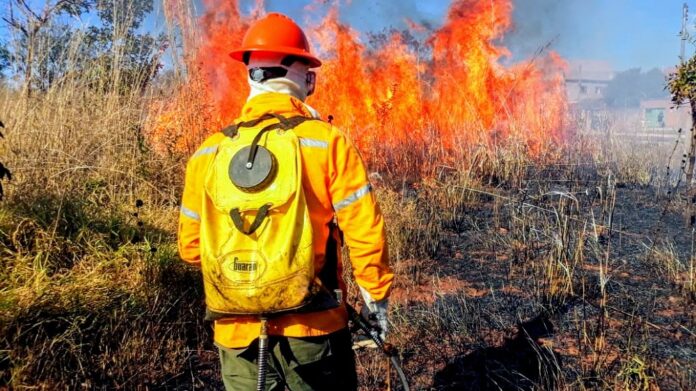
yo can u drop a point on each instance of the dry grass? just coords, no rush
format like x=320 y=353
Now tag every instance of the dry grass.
x=90 y=276
x=92 y=280
x=502 y=259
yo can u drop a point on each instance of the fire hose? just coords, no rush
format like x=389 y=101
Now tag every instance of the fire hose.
x=263 y=356
x=390 y=351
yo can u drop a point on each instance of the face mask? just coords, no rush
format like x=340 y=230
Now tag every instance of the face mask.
x=268 y=73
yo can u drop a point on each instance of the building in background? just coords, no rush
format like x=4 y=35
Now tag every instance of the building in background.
x=661 y=114
x=644 y=120
x=586 y=80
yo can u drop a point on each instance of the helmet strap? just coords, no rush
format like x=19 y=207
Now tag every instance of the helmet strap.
x=311 y=82
x=261 y=74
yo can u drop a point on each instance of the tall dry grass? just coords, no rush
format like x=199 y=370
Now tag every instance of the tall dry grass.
x=92 y=292
x=93 y=295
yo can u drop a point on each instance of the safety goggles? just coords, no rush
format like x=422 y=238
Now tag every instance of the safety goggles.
x=262 y=74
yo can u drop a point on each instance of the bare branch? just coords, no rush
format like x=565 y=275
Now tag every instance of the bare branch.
x=48 y=11
x=12 y=22
x=60 y=4
x=27 y=9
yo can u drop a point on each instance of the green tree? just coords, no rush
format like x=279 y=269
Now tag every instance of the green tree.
x=128 y=58
x=4 y=59
x=52 y=46
x=630 y=87
x=112 y=53
x=30 y=22
x=682 y=87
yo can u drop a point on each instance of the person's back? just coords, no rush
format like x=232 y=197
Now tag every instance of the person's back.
x=311 y=348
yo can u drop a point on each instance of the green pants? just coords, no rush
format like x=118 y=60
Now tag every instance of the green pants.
x=312 y=363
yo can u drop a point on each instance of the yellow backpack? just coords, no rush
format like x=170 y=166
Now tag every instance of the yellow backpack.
x=256 y=236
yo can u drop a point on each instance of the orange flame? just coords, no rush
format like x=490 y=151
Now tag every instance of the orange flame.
x=455 y=94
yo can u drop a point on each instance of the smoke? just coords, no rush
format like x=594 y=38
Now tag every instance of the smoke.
x=622 y=33
x=626 y=34
x=387 y=95
x=364 y=15
x=538 y=24
x=393 y=15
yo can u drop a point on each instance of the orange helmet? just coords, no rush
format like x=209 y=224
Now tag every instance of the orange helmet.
x=276 y=33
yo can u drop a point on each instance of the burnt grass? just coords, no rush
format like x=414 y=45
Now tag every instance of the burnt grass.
x=507 y=325
x=568 y=280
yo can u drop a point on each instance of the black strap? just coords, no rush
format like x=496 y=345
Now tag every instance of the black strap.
x=283 y=123
x=281 y=120
x=254 y=122
x=239 y=222
x=329 y=273
x=255 y=144
x=261 y=74
x=231 y=131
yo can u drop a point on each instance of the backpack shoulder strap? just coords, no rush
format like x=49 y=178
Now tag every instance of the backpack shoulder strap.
x=283 y=123
x=231 y=130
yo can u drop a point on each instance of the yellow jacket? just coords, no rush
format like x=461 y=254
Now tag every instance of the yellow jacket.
x=335 y=183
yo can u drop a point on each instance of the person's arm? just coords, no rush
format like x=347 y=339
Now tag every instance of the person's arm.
x=192 y=201
x=190 y=218
x=361 y=221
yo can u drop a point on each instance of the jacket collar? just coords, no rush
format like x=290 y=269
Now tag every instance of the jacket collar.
x=275 y=103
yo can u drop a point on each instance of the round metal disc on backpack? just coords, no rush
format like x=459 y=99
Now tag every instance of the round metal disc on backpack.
x=257 y=177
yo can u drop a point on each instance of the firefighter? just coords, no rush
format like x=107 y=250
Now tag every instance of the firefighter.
x=308 y=349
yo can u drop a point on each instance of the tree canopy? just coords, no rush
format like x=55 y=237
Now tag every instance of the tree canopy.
x=4 y=59
x=630 y=87
x=682 y=83
x=48 y=46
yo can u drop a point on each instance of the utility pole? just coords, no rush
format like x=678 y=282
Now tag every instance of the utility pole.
x=684 y=34
x=691 y=191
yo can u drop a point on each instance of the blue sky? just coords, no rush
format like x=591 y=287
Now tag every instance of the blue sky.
x=626 y=33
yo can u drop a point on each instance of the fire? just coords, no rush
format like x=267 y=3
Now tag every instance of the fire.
x=450 y=94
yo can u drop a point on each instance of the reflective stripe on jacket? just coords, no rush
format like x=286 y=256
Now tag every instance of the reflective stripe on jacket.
x=335 y=183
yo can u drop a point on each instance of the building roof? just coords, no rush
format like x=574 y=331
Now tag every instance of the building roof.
x=589 y=70
x=656 y=103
